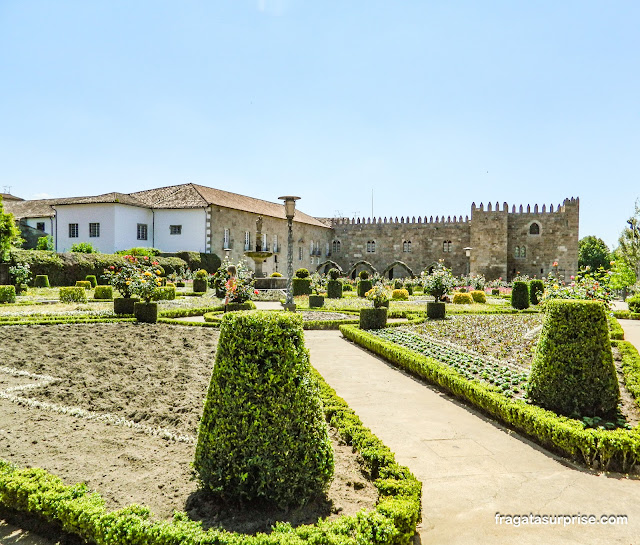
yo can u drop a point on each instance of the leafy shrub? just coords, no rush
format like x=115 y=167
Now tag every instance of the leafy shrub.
x=520 y=295
x=140 y=251
x=436 y=310
x=262 y=433
x=373 y=318
x=363 y=275
x=83 y=248
x=146 y=312
x=196 y=260
x=439 y=282
x=364 y=286
x=397 y=285
x=83 y=284
x=200 y=285
x=45 y=243
x=41 y=281
x=347 y=287
x=479 y=296
x=462 y=299
x=495 y=291
x=462 y=290
x=201 y=274
x=275 y=275
x=73 y=294
x=7 y=294
x=301 y=286
x=572 y=371
x=334 y=274
x=334 y=289
x=92 y=279
x=316 y=301
x=103 y=292
x=21 y=274
x=400 y=295
x=536 y=290
x=634 y=303
x=302 y=273
x=164 y=293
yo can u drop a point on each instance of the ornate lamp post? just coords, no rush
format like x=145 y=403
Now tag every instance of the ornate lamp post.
x=467 y=252
x=289 y=212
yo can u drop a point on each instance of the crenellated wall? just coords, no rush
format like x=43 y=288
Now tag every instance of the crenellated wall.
x=493 y=233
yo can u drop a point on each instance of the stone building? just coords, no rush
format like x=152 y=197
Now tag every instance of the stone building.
x=493 y=240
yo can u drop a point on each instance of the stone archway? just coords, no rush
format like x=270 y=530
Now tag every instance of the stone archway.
x=325 y=266
x=396 y=268
x=360 y=266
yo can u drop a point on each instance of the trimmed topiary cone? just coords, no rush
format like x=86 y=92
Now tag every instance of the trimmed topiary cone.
x=41 y=281
x=572 y=371
x=262 y=435
x=520 y=295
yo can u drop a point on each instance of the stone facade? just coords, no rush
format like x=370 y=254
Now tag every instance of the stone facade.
x=501 y=243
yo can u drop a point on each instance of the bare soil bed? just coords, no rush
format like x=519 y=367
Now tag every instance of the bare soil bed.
x=117 y=406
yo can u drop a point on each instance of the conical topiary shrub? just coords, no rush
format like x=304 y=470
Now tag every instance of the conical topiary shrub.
x=572 y=371
x=520 y=295
x=262 y=433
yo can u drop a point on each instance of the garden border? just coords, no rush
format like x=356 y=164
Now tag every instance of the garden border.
x=616 y=449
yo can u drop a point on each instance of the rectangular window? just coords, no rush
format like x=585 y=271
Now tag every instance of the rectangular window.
x=142 y=231
x=247 y=241
x=40 y=226
x=275 y=243
x=94 y=230
x=175 y=229
x=73 y=230
x=225 y=242
x=299 y=253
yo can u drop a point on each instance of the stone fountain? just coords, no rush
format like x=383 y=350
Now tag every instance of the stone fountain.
x=260 y=254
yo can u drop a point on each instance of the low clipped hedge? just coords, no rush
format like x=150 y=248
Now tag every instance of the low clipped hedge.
x=103 y=292
x=73 y=294
x=400 y=294
x=615 y=329
x=634 y=304
x=316 y=301
x=436 y=310
x=7 y=294
x=164 y=293
x=41 y=281
x=616 y=449
x=462 y=299
x=479 y=296
x=373 y=318
x=83 y=513
x=83 y=284
x=145 y=312
x=200 y=285
x=630 y=368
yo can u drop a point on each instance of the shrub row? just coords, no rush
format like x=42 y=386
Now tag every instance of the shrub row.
x=83 y=513
x=618 y=449
x=615 y=329
x=626 y=315
x=74 y=294
x=630 y=368
x=66 y=269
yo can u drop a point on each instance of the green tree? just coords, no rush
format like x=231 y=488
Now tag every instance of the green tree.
x=629 y=242
x=622 y=276
x=594 y=253
x=45 y=243
x=9 y=232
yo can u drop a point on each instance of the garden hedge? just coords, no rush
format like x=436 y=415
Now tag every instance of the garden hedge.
x=146 y=312
x=7 y=294
x=520 y=295
x=400 y=294
x=572 y=372
x=41 y=281
x=79 y=511
x=85 y=284
x=65 y=269
x=617 y=449
x=164 y=293
x=301 y=286
x=436 y=310
x=262 y=434
x=479 y=296
x=364 y=285
x=634 y=303
x=334 y=289
x=536 y=289
x=462 y=299
x=103 y=292
x=200 y=285
x=92 y=278
x=316 y=301
x=73 y=294
x=373 y=318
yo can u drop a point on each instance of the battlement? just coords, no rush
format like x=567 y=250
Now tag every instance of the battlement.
x=521 y=209
x=394 y=220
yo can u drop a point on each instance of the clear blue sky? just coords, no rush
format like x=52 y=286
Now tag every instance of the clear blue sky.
x=430 y=105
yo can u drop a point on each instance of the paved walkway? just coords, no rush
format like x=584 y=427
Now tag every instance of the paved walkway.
x=472 y=468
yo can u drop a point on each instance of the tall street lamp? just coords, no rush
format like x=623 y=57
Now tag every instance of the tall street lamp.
x=289 y=212
x=467 y=252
